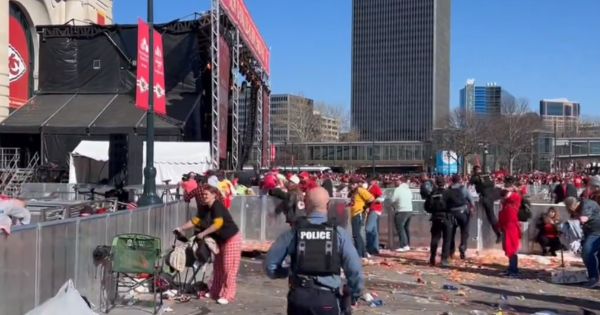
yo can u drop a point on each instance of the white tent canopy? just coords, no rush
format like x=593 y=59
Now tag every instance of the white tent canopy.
x=88 y=163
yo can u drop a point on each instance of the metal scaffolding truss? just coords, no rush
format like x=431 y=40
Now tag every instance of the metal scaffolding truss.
x=235 y=99
x=259 y=125
x=245 y=64
x=215 y=14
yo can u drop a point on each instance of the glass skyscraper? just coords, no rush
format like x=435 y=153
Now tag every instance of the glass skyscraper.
x=484 y=100
x=400 y=68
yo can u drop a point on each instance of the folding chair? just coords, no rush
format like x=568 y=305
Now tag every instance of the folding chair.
x=132 y=255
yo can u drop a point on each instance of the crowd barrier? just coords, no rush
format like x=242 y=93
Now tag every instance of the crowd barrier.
x=258 y=223
x=36 y=259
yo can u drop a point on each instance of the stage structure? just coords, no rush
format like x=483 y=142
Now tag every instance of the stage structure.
x=250 y=58
x=87 y=82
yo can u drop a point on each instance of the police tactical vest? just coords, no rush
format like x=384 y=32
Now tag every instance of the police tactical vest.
x=455 y=198
x=317 y=252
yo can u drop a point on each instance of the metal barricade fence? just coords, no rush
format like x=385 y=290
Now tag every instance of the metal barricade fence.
x=35 y=260
x=258 y=223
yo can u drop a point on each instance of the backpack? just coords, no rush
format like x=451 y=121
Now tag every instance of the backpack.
x=435 y=203
x=525 y=210
x=317 y=252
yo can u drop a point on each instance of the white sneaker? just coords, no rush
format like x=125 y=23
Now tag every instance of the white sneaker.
x=369 y=255
x=403 y=249
x=207 y=295
x=223 y=301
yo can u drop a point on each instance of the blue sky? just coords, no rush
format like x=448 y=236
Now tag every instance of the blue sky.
x=533 y=48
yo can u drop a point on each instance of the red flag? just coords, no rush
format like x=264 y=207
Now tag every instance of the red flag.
x=160 y=102
x=143 y=66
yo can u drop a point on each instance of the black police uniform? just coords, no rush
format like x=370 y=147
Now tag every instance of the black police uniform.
x=457 y=204
x=317 y=255
x=442 y=223
x=484 y=185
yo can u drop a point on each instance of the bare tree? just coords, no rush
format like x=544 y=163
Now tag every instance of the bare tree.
x=514 y=130
x=463 y=134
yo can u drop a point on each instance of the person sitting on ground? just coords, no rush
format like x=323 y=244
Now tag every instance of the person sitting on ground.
x=549 y=227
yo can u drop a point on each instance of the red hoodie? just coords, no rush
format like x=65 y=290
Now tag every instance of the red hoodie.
x=376 y=191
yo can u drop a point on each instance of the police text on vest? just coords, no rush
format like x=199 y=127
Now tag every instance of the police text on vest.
x=315 y=235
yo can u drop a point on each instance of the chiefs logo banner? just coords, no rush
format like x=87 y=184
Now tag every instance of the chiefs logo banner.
x=143 y=70
x=18 y=64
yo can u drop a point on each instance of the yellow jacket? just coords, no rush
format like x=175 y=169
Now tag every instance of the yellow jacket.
x=359 y=200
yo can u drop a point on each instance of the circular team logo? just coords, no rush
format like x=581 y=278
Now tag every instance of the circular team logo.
x=16 y=64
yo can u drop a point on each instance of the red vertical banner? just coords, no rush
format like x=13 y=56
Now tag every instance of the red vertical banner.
x=224 y=93
x=18 y=64
x=160 y=100
x=143 y=66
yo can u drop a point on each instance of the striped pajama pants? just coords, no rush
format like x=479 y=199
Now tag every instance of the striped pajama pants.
x=226 y=267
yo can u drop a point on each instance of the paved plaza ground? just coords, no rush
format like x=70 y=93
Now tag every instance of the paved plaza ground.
x=407 y=285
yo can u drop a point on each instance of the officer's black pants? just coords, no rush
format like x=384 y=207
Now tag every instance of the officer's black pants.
x=488 y=207
x=312 y=301
x=462 y=221
x=441 y=227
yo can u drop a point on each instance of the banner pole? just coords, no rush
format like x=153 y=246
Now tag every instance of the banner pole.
x=149 y=197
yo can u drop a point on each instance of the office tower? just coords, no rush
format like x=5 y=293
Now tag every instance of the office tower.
x=484 y=100
x=400 y=68
x=561 y=115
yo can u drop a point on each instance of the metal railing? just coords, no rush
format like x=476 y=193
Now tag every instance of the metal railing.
x=37 y=259
x=257 y=222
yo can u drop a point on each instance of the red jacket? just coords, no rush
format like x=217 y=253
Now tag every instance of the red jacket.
x=376 y=206
x=508 y=221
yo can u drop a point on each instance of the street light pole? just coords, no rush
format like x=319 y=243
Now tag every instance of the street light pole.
x=149 y=197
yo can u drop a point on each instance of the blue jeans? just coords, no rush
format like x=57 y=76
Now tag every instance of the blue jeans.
x=372 y=233
x=513 y=264
x=590 y=254
x=359 y=243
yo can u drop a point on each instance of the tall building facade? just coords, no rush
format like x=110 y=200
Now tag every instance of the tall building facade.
x=328 y=128
x=294 y=120
x=400 y=68
x=19 y=40
x=484 y=100
x=561 y=115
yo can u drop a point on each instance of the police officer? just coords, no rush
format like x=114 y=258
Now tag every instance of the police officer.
x=318 y=251
x=488 y=193
x=459 y=203
x=442 y=222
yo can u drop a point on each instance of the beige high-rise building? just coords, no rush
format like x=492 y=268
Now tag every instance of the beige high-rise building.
x=19 y=57
x=328 y=128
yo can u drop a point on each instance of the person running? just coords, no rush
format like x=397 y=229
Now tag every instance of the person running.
x=459 y=203
x=508 y=223
x=372 y=225
x=442 y=222
x=316 y=265
x=488 y=194
x=361 y=198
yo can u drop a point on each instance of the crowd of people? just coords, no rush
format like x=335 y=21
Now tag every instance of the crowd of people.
x=320 y=249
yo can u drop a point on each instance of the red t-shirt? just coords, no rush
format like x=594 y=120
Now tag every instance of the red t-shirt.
x=376 y=206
